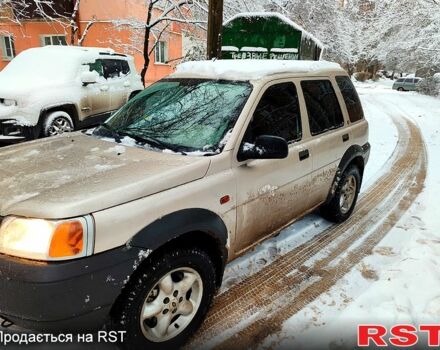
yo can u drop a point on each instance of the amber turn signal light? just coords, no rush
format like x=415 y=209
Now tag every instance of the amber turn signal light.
x=67 y=240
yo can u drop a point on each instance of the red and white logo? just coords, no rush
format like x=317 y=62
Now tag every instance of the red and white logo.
x=402 y=335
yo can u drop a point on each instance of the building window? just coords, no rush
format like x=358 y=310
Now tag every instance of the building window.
x=161 y=52
x=53 y=40
x=8 y=47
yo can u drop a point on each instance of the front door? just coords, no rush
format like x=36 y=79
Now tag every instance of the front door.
x=270 y=193
x=96 y=98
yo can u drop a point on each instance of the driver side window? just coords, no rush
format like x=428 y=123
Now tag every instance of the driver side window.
x=277 y=114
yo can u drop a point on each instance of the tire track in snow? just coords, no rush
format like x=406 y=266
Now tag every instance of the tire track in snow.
x=256 y=307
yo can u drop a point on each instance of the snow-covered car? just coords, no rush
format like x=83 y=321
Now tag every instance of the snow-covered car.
x=131 y=223
x=55 y=89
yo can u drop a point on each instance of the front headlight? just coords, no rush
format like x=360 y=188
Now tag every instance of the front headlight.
x=46 y=239
x=9 y=103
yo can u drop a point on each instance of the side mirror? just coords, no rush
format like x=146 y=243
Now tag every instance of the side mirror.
x=88 y=78
x=265 y=147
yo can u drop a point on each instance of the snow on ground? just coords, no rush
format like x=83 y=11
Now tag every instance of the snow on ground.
x=403 y=280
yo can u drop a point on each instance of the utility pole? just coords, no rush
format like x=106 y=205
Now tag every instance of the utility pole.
x=215 y=27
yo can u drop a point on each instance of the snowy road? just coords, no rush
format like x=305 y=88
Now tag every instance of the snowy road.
x=295 y=287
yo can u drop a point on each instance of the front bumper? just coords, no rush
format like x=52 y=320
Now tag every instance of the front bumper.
x=12 y=131
x=72 y=296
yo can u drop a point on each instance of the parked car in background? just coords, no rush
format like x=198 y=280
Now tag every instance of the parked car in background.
x=55 y=89
x=136 y=226
x=406 y=84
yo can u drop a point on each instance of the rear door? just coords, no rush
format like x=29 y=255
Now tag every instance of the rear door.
x=329 y=137
x=272 y=192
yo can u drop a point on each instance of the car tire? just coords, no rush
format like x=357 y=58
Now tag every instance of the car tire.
x=401 y=89
x=166 y=301
x=57 y=123
x=344 y=200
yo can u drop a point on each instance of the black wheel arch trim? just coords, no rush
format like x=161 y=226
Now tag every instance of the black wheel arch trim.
x=178 y=224
x=352 y=153
x=68 y=106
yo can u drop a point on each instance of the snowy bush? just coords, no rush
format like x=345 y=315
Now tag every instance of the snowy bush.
x=362 y=76
x=430 y=86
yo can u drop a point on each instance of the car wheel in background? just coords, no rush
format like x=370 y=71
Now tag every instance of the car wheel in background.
x=166 y=301
x=57 y=123
x=344 y=200
x=401 y=89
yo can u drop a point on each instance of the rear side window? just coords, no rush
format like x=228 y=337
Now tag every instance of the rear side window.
x=110 y=69
x=322 y=106
x=400 y=80
x=125 y=68
x=351 y=98
x=277 y=114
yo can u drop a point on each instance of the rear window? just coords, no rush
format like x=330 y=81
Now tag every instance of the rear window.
x=322 y=106
x=351 y=98
x=400 y=80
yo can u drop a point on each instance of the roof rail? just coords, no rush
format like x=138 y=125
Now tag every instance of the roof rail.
x=112 y=54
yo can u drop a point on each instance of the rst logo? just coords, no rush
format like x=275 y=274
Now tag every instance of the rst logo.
x=402 y=335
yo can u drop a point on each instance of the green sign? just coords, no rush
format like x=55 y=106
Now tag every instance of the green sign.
x=267 y=36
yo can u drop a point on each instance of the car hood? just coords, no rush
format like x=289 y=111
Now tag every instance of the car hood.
x=19 y=87
x=77 y=174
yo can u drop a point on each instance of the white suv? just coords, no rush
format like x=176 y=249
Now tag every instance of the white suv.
x=50 y=90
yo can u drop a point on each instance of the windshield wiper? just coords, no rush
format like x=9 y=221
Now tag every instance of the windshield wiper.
x=152 y=141
x=115 y=134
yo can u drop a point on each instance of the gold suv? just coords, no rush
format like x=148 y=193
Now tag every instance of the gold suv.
x=131 y=224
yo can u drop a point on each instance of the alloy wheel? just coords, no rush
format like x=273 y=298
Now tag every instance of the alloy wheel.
x=348 y=194
x=59 y=126
x=171 y=305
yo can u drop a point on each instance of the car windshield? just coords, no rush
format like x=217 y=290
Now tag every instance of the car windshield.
x=183 y=115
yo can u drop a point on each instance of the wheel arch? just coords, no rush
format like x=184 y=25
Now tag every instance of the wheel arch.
x=187 y=228
x=353 y=156
x=69 y=108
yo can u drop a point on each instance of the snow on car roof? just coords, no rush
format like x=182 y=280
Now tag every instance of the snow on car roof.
x=251 y=69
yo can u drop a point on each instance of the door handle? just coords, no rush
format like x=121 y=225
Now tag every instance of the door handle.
x=304 y=155
x=345 y=137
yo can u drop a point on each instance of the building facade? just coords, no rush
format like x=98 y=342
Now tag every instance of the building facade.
x=101 y=23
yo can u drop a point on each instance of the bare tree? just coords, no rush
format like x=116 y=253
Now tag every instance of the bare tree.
x=160 y=16
x=64 y=14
